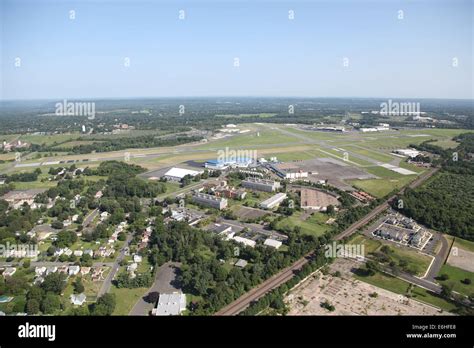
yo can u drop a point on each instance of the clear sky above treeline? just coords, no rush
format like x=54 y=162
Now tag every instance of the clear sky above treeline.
x=122 y=49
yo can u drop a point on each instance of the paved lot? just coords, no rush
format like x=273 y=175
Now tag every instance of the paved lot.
x=461 y=258
x=249 y=213
x=164 y=283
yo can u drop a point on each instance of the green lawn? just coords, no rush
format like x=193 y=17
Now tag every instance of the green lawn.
x=370 y=245
x=399 y=286
x=411 y=167
x=378 y=156
x=251 y=198
x=248 y=139
x=381 y=187
x=126 y=299
x=171 y=187
x=34 y=185
x=464 y=244
x=71 y=144
x=446 y=144
x=325 y=152
x=314 y=225
x=455 y=276
x=417 y=262
x=386 y=282
x=49 y=139
x=426 y=296
x=291 y=156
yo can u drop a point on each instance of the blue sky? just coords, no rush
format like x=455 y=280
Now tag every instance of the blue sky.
x=388 y=57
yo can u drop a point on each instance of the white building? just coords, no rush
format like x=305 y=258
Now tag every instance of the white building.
x=177 y=174
x=78 y=300
x=245 y=241
x=73 y=270
x=241 y=263
x=273 y=201
x=170 y=304
x=407 y=152
x=272 y=243
x=211 y=201
x=261 y=184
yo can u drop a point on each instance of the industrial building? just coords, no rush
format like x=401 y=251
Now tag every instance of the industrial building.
x=231 y=161
x=245 y=241
x=170 y=304
x=210 y=201
x=273 y=201
x=177 y=174
x=272 y=243
x=289 y=171
x=261 y=184
x=407 y=152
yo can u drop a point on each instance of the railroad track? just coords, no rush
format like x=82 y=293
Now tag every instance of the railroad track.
x=283 y=276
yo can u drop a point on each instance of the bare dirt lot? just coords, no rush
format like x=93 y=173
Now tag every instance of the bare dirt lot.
x=350 y=296
x=461 y=258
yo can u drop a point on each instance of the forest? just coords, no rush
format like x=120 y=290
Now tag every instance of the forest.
x=446 y=202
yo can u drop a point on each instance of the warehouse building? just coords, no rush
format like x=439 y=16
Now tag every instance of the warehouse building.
x=245 y=241
x=170 y=304
x=289 y=171
x=177 y=174
x=272 y=243
x=210 y=201
x=273 y=201
x=261 y=184
x=407 y=152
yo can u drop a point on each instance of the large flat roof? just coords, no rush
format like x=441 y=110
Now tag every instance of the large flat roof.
x=170 y=304
x=181 y=172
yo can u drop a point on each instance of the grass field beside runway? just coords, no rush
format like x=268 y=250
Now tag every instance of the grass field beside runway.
x=265 y=137
x=456 y=277
x=339 y=155
x=381 y=187
x=387 y=182
x=375 y=155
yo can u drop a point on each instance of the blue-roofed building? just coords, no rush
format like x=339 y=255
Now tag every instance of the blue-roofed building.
x=224 y=164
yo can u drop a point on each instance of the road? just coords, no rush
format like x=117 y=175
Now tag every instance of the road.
x=53 y=263
x=255 y=227
x=283 y=276
x=415 y=280
x=89 y=218
x=114 y=268
x=439 y=260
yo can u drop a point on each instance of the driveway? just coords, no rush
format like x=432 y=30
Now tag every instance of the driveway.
x=164 y=283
